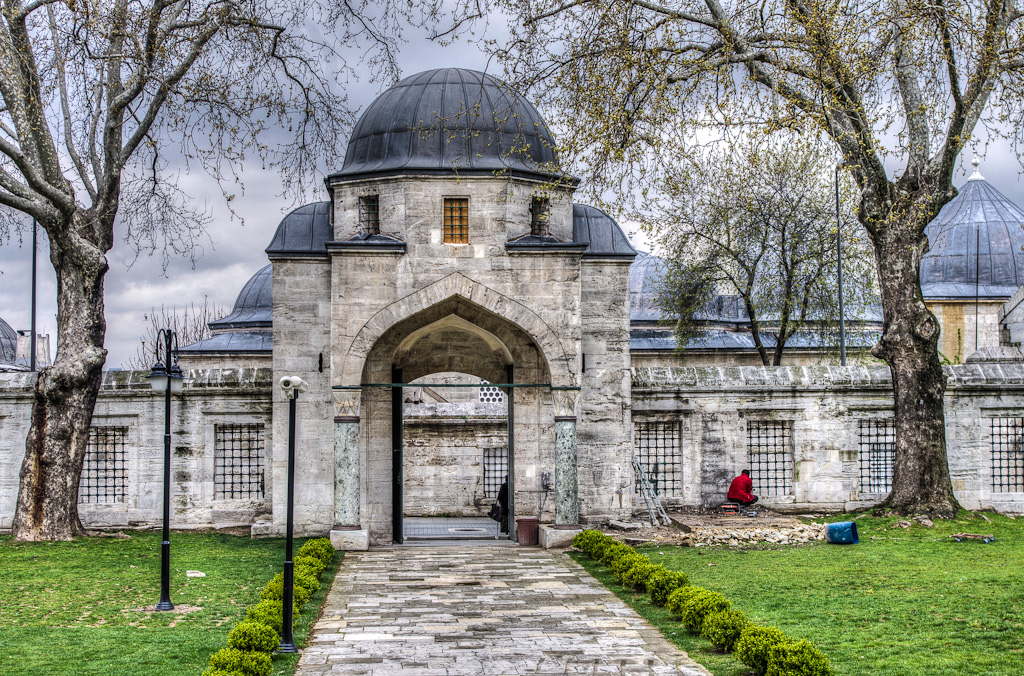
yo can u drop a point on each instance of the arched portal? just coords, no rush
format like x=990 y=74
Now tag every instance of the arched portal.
x=455 y=336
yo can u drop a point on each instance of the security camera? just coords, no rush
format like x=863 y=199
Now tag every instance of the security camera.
x=291 y=383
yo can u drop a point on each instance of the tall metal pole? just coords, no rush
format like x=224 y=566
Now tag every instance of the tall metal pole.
x=32 y=330
x=287 y=642
x=165 y=545
x=839 y=253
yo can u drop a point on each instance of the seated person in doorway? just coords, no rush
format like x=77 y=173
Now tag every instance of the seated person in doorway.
x=503 y=503
x=739 y=490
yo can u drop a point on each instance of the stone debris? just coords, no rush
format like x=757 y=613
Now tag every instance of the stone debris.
x=194 y=573
x=736 y=536
x=926 y=522
x=624 y=525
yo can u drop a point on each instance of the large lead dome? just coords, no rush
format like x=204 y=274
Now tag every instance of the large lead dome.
x=446 y=120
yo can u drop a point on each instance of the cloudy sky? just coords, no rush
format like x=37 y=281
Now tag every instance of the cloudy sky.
x=234 y=249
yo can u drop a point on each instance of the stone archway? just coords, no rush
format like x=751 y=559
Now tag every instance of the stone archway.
x=453 y=335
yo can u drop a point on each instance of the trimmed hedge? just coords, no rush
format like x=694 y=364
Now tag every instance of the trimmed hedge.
x=248 y=662
x=250 y=635
x=765 y=649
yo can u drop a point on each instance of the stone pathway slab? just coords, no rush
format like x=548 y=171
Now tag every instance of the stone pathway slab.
x=480 y=611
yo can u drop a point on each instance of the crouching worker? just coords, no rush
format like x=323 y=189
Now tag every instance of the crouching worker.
x=739 y=490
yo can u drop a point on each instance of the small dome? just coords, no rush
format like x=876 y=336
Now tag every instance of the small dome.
x=254 y=307
x=646 y=275
x=599 y=231
x=303 y=232
x=446 y=120
x=8 y=343
x=979 y=229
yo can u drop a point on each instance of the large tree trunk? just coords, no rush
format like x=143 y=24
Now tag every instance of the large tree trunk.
x=909 y=345
x=47 y=507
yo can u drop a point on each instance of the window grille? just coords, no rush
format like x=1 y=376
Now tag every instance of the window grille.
x=657 y=446
x=369 y=215
x=495 y=469
x=104 y=478
x=539 y=211
x=490 y=395
x=1007 y=455
x=877 y=454
x=771 y=460
x=238 y=461
x=456 y=220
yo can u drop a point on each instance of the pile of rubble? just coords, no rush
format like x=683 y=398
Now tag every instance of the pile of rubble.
x=734 y=537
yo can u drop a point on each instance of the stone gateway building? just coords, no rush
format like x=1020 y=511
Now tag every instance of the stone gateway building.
x=459 y=318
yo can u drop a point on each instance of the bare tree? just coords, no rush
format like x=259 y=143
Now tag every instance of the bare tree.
x=104 y=102
x=757 y=219
x=903 y=81
x=191 y=324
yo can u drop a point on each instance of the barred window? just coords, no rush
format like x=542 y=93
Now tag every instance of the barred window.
x=540 y=210
x=369 y=215
x=1007 y=455
x=238 y=461
x=770 y=455
x=877 y=454
x=104 y=478
x=490 y=395
x=495 y=469
x=456 y=220
x=657 y=444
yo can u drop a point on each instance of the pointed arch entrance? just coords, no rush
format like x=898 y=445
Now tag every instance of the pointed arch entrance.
x=454 y=335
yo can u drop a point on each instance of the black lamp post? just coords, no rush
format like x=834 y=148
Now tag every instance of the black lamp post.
x=291 y=385
x=167 y=380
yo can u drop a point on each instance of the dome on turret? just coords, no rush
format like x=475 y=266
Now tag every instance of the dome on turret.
x=449 y=120
x=977 y=238
x=254 y=306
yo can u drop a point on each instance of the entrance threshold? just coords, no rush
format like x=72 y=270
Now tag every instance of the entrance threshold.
x=458 y=529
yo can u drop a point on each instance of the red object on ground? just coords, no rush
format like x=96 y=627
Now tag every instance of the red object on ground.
x=740 y=489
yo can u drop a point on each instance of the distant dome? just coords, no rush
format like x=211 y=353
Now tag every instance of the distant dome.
x=445 y=120
x=949 y=270
x=8 y=343
x=646 y=275
x=254 y=307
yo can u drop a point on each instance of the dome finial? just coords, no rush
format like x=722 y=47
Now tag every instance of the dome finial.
x=976 y=176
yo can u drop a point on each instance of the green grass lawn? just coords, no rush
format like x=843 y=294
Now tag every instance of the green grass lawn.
x=78 y=607
x=907 y=603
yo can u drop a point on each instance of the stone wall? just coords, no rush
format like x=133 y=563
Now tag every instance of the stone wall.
x=129 y=488
x=824 y=419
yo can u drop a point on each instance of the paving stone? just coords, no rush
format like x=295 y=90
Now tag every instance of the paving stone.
x=480 y=611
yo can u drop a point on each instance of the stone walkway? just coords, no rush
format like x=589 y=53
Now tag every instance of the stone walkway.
x=480 y=611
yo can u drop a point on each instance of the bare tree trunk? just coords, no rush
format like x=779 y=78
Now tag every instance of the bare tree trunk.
x=920 y=482
x=47 y=506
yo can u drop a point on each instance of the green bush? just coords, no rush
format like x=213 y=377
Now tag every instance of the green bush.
x=275 y=590
x=268 y=612
x=636 y=577
x=613 y=551
x=661 y=583
x=210 y=671
x=797 y=658
x=723 y=628
x=241 y=661
x=626 y=562
x=678 y=598
x=320 y=548
x=250 y=635
x=755 y=645
x=314 y=565
x=587 y=540
x=699 y=606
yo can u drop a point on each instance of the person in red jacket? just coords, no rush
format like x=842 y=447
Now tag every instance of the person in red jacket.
x=739 y=490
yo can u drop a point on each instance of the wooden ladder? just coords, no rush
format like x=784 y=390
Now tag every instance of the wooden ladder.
x=654 y=508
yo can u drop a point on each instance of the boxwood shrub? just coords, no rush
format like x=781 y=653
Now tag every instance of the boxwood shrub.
x=636 y=577
x=275 y=591
x=624 y=563
x=320 y=548
x=588 y=540
x=310 y=564
x=613 y=551
x=797 y=658
x=250 y=635
x=244 y=662
x=723 y=628
x=661 y=583
x=677 y=599
x=700 y=605
x=268 y=612
x=755 y=644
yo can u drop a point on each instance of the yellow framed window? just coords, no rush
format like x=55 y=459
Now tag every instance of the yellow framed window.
x=456 y=220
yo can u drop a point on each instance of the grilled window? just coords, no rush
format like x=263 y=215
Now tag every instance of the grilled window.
x=539 y=212
x=490 y=395
x=238 y=461
x=877 y=453
x=1007 y=455
x=104 y=478
x=495 y=469
x=657 y=444
x=456 y=220
x=770 y=457
x=369 y=215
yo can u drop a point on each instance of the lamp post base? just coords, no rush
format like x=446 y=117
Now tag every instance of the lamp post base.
x=287 y=648
x=165 y=605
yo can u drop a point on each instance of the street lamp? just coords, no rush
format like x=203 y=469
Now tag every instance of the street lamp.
x=166 y=380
